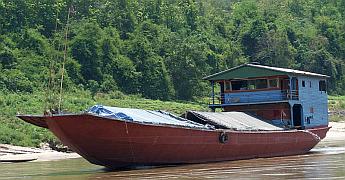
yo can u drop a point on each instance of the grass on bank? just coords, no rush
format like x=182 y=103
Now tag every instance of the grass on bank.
x=17 y=132
x=336 y=107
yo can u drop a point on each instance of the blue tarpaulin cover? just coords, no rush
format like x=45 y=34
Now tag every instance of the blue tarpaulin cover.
x=144 y=116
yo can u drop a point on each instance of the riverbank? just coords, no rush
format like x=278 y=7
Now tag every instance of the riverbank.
x=10 y=153
x=337 y=132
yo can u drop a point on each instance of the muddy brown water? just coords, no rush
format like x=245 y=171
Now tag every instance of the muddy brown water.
x=325 y=161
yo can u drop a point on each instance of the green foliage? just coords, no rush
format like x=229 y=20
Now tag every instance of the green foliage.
x=7 y=52
x=15 y=80
x=32 y=40
x=15 y=131
x=158 y=49
x=161 y=49
x=336 y=106
x=86 y=49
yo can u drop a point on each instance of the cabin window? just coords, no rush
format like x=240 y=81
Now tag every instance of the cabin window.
x=227 y=85
x=261 y=83
x=322 y=86
x=273 y=83
x=251 y=84
x=239 y=85
x=309 y=83
x=303 y=83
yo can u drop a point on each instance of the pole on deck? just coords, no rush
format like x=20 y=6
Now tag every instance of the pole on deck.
x=212 y=84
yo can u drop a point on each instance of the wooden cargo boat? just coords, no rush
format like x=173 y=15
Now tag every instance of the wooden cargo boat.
x=118 y=143
x=118 y=137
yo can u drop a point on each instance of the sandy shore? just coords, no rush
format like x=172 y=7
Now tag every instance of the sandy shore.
x=337 y=132
x=10 y=153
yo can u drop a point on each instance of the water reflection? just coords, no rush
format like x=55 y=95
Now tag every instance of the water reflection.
x=306 y=166
x=326 y=161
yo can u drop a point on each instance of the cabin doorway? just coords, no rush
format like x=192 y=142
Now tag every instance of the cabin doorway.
x=297 y=115
x=284 y=84
x=294 y=88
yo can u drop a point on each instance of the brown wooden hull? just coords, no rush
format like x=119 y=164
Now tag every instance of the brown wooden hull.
x=39 y=121
x=115 y=144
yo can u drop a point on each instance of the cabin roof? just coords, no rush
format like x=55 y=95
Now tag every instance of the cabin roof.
x=256 y=70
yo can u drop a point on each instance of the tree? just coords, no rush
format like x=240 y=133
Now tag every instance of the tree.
x=14 y=80
x=187 y=63
x=119 y=67
x=86 y=49
x=274 y=49
x=154 y=80
x=7 y=53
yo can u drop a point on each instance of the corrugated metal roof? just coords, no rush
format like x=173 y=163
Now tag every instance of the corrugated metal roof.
x=235 y=120
x=256 y=70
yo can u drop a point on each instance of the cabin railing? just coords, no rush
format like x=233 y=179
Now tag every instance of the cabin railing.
x=253 y=97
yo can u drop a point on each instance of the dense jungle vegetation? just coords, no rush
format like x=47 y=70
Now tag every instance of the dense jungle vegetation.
x=162 y=48
x=153 y=49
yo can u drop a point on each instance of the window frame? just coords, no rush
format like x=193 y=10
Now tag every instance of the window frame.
x=323 y=87
x=246 y=86
x=227 y=86
x=269 y=83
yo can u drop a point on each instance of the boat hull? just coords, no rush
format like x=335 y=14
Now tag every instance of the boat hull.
x=117 y=144
x=39 y=121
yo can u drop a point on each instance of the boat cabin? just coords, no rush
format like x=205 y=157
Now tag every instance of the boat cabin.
x=284 y=97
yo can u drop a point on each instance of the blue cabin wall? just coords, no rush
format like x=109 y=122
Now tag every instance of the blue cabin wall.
x=252 y=97
x=314 y=102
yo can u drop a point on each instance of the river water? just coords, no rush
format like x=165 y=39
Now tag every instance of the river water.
x=325 y=161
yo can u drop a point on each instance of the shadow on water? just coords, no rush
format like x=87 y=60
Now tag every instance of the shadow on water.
x=324 y=162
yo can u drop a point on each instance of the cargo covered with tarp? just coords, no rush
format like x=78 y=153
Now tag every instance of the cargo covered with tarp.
x=144 y=116
x=230 y=120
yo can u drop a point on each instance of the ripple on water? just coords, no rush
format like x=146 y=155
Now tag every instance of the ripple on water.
x=329 y=150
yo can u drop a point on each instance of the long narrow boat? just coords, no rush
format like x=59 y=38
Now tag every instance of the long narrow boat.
x=117 y=143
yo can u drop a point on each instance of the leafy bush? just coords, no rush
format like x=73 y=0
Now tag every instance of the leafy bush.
x=15 y=81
